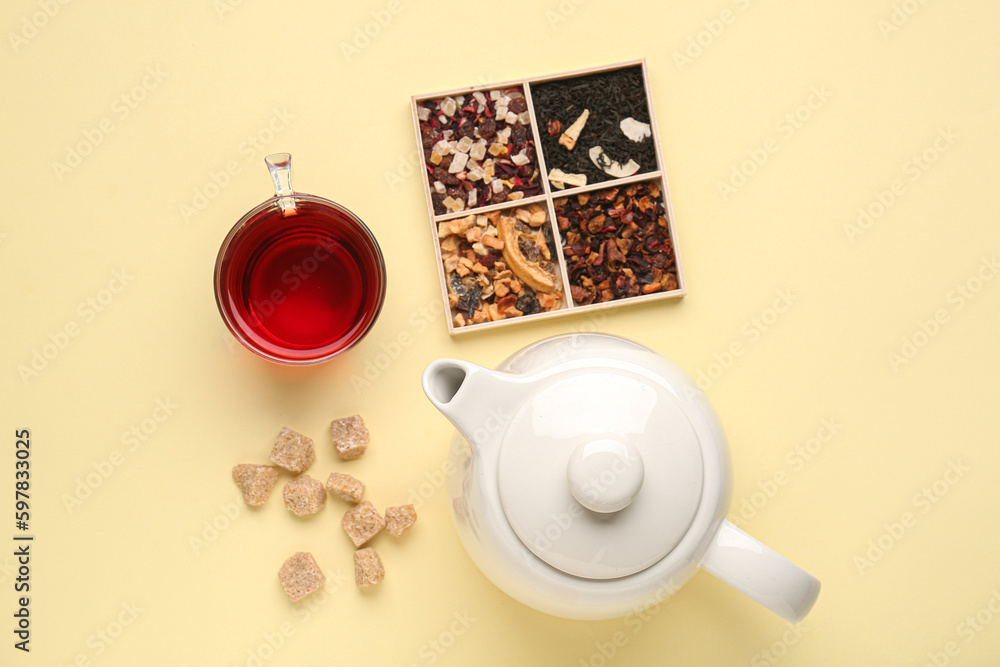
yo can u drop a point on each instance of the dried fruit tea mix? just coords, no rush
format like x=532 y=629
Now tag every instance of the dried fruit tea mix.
x=616 y=243
x=478 y=149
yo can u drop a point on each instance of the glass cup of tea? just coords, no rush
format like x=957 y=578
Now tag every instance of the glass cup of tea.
x=299 y=279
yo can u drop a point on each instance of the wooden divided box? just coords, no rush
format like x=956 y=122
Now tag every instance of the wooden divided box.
x=547 y=196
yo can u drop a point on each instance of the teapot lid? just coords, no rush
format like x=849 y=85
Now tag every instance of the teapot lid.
x=600 y=471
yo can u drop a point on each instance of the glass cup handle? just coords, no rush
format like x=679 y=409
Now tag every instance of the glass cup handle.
x=280 y=166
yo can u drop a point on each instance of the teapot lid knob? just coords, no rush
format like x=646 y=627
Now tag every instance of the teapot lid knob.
x=605 y=475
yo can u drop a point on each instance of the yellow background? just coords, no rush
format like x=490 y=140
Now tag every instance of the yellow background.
x=128 y=552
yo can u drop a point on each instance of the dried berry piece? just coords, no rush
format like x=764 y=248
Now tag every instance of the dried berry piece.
x=467 y=129
x=487 y=128
x=428 y=137
x=445 y=176
x=437 y=202
x=518 y=105
x=519 y=134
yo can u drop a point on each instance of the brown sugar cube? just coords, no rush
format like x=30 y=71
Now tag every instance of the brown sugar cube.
x=300 y=576
x=293 y=451
x=350 y=437
x=255 y=482
x=346 y=487
x=362 y=523
x=368 y=569
x=304 y=495
x=399 y=518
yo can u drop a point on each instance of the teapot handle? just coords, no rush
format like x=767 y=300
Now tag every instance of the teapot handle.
x=761 y=574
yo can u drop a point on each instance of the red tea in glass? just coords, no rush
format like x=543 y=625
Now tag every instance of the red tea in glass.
x=299 y=279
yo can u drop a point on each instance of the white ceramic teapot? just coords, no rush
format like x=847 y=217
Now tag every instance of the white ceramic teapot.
x=591 y=478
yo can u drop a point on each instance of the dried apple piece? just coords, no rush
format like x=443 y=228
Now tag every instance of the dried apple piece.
x=528 y=271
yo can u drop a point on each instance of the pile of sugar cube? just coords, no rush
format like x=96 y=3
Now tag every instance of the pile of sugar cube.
x=300 y=575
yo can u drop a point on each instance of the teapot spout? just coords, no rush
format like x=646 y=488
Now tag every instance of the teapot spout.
x=477 y=400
